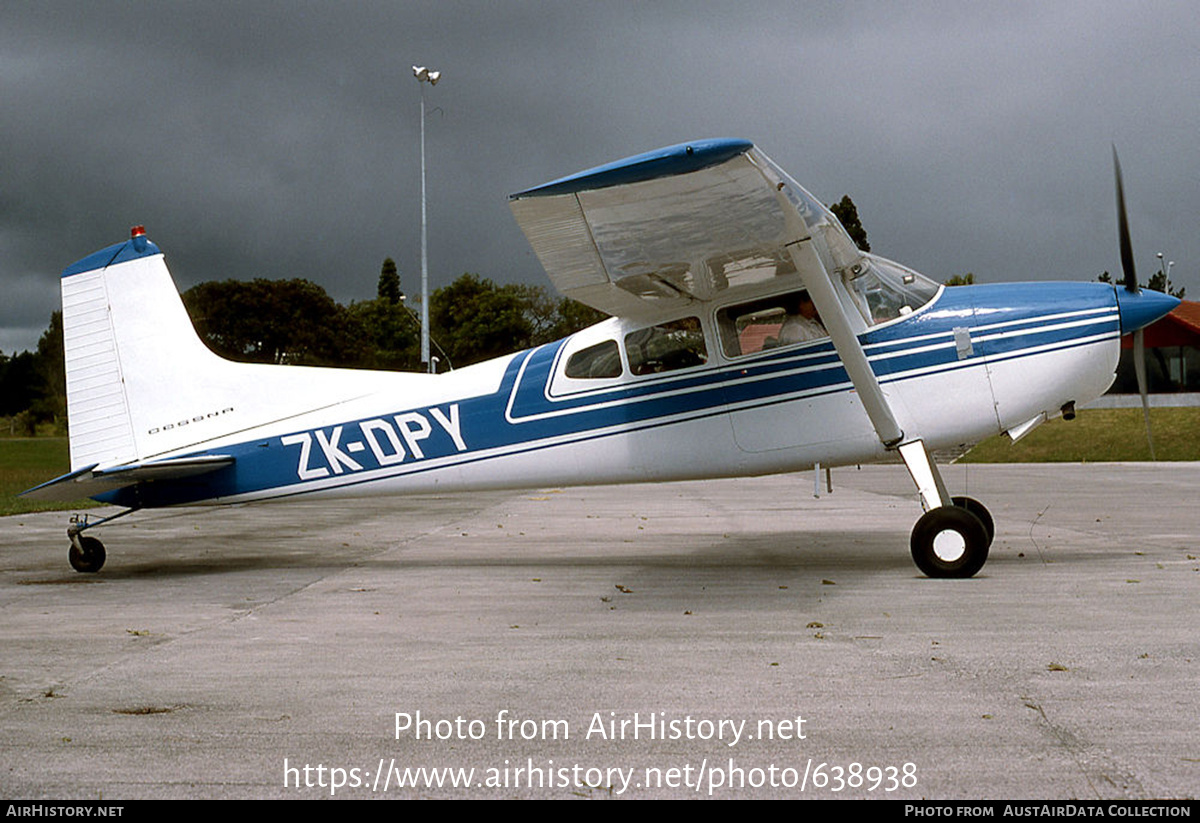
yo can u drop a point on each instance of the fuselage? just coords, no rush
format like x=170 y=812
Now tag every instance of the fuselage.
x=973 y=362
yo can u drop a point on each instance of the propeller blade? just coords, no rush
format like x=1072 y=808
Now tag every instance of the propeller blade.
x=1131 y=283
x=1139 y=366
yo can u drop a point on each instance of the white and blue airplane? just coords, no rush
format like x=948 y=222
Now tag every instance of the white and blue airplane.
x=705 y=255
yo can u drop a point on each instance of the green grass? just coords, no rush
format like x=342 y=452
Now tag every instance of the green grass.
x=24 y=463
x=1099 y=435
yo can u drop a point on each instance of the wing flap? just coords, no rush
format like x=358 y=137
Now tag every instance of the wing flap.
x=91 y=481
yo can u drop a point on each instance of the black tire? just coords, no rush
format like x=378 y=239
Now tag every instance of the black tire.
x=949 y=541
x=91 y=559
x=979 y=510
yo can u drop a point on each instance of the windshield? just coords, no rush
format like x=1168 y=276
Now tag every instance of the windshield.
x=884 y=290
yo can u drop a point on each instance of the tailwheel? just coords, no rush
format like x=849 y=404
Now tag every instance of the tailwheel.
x=87 y=554
x=950 y=541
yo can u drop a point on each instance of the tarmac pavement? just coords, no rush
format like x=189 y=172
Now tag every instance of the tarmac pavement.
x=733 y=639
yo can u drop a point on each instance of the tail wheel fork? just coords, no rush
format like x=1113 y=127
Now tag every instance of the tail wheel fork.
x=87 y=554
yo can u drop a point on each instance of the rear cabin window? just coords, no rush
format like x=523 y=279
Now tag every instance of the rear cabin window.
x=666 y=347
x=598 y=361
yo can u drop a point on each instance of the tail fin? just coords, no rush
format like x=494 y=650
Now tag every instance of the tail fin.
x=141 y=383
x=147 y=321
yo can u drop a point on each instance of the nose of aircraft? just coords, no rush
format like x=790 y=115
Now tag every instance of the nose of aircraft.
x=1141 y=308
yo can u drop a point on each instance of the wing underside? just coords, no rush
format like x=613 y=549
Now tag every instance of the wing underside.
x=686 y=223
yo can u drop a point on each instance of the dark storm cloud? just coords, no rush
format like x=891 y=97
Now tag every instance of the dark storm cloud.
x=280 y=139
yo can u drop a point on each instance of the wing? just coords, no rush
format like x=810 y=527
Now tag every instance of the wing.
x=91 y=481
x=659 y=230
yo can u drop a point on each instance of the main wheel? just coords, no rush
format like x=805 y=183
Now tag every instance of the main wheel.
x=979 y=510
x=88 y=557
x=949 y=541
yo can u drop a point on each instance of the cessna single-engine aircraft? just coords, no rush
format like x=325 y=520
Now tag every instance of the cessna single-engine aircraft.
x=749 y=336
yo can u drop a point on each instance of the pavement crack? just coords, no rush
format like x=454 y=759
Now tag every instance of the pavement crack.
x=1093 y=763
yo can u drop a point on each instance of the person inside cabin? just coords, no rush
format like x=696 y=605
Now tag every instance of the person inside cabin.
x=802 y=322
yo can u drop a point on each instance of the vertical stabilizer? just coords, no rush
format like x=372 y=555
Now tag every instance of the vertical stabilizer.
x=139 y=380
x=137 y=373
x=141 y=384
x=101 y=427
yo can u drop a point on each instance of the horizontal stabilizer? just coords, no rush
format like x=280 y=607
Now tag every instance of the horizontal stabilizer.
x=90 y=481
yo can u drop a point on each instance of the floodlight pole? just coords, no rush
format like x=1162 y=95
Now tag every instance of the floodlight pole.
x=424 y=76
x=424 y=250
x=1164 y=269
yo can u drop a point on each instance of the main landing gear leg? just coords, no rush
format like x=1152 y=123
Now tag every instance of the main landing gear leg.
x=953 y=536
x=87 y=554
x=950 y=540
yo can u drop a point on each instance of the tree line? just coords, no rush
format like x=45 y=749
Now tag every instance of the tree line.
x=297 y=322
x=33 y=385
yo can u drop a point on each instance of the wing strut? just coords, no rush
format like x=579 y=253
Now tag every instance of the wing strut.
x=816 y=279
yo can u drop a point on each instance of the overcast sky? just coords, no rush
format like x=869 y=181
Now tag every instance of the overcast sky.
x=281 y=139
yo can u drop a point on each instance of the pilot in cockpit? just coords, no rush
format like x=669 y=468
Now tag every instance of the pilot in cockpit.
x=802 y=322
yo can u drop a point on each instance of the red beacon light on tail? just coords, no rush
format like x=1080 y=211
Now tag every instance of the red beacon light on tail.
x=138 y=235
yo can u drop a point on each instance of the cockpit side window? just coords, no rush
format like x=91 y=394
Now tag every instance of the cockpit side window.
x=666 y=347
x=598 y=361
x=768 y=323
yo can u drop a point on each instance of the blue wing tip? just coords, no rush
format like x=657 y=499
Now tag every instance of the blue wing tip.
x=680 y=158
